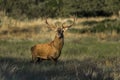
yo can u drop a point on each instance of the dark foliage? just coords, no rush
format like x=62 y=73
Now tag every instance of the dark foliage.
x=21 y=9
x=106 y=25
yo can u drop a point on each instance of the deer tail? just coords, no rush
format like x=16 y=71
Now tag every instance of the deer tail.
x=32 y=48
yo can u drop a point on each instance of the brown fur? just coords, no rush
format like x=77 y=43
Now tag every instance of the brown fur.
x=48 y=51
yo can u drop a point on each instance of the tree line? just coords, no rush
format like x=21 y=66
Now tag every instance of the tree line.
x=21 y=9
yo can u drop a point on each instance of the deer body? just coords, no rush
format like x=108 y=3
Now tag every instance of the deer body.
x=51 y=50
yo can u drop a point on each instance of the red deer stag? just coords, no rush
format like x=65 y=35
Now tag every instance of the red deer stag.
x=51 y=50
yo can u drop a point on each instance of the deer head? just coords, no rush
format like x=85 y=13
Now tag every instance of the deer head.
x=61 y=29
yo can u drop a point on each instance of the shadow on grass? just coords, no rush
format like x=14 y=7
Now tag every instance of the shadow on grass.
x=22 y=69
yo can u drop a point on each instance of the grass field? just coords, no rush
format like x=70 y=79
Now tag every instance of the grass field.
x=85 y=56
x=81 y=59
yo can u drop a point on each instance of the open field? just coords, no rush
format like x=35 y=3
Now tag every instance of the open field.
x=81 y=59
x=89 y=53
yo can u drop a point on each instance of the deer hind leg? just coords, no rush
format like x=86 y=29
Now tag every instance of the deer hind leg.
x=34 y=58
x=39 y=60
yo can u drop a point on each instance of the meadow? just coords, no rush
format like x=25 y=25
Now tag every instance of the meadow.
x=86 y=55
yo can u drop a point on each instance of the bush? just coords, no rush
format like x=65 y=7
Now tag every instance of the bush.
x=59 y=8
x=106 y=25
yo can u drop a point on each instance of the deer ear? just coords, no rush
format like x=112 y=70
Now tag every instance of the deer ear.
x=64 y=29
x=55 y=29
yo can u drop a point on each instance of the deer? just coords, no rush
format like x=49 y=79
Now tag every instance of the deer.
x=51 y=50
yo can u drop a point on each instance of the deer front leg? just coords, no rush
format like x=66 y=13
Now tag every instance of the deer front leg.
x=53 y=60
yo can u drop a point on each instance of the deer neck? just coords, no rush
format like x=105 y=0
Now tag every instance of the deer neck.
x=58 y=43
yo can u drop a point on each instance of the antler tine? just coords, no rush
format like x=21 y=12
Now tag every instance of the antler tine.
x=70 y=24
x=47 y=22
x=50 y=25
x=63 y=25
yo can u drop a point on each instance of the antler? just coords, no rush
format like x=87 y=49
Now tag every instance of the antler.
x=69 y=25
x=49 y=25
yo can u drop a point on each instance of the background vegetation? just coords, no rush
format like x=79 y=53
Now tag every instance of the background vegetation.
x=59 y=8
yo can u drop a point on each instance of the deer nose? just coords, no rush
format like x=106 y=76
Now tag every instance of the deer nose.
x=60 y=36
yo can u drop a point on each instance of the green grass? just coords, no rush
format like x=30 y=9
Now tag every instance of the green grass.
x=81 y=59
